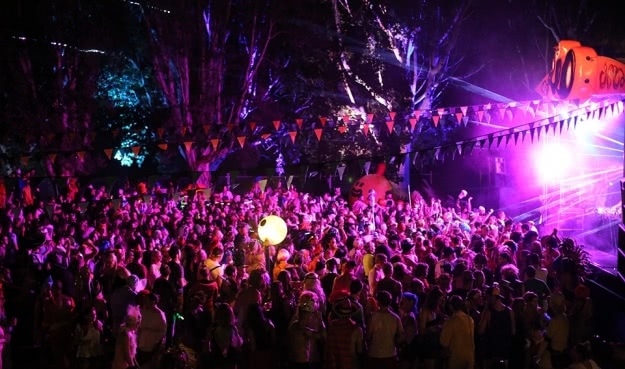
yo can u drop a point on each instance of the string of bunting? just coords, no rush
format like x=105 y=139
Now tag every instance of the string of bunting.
x=550 y=115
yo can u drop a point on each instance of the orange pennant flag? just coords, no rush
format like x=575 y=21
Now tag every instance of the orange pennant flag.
x=230 y=127
x=323 y=121
x=136 y=150
x=160 y=132
x=342 y=129
x=318 y=132
x=206 y=128
x=24 y=160
x=108 y=153
x=252 y=126
x=276 y=124
x=215 y=143
x=293 y=134
x=392 y=115
x=370 y=118
x=390 y=125
x=81 y=155
x=265 y=136
x=241 y=140
x=436 y=118
x=345 y=118
x=299 y=122
x=162 y=147
x=187 y=145
x=413 y=123
x=52 y=157
x=365 y=129
x=183 y=130
x=459 y=117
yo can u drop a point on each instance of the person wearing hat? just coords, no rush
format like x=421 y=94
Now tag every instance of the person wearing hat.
x=345 y=338
x=306 y=333
x=407 y=253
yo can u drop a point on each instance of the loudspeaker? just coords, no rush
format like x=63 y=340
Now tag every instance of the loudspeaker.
x=620 y=257
x=623 y=200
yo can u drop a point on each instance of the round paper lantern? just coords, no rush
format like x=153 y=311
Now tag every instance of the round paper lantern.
x=375 y=182
x=272 y=230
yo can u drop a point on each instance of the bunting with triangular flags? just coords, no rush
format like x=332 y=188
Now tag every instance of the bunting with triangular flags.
x=293 y=134
x=340 y=170
x=188 y=145
x=163 y=146
x=215 y=143
x=390 y=125
x=318 y=132
x=108 y=153
x=80 y=155
x=262 y=184
x=136 y=150
x=241 y=140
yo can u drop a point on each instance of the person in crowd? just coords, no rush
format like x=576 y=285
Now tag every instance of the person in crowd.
x=224 y=341
x=259 y=339
x=125 y=356
x=345 y=338
x=88 y=340
x=306 y=333
x=385 y=333
x=152 y=330
x=201 y=252
x=497 y=327
x=457 y=336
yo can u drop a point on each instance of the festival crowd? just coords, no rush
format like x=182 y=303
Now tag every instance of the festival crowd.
x=152 y=278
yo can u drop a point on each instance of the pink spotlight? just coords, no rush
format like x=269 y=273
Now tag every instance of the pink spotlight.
x=553 y=162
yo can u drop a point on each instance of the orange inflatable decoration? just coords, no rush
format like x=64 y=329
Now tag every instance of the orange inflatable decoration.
x=376 y=182
x=577 y=72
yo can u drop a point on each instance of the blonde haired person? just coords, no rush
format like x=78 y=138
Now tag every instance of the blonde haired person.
x=126 y=344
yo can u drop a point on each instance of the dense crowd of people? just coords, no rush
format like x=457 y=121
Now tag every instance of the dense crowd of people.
x=150 y=278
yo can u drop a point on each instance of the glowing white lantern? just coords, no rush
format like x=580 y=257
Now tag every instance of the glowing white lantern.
x=272 y=230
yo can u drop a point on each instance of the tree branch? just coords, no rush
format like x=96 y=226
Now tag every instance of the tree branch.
x=550 y=29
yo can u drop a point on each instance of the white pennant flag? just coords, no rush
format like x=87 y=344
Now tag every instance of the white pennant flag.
x=341 y=170
x=367 y=167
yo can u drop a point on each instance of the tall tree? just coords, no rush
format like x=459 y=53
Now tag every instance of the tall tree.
x=207 y=56
x=399 y=53
x=51 y=55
